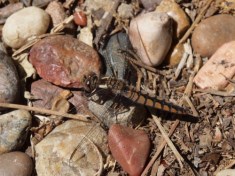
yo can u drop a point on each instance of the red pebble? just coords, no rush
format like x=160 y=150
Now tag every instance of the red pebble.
x=64 y=61
x=129 y=147
x=80 y=18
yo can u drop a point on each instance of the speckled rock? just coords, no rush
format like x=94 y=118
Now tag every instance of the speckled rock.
x=44 y=92
x=15 y=163
x=129 y=147
x=18 y=27
x=64 y=61
x=9 y=79
x=212 y=33
x=151 y=35
x=73 y=148
x=14 y=128
x=221 y=65
x=56 y=11
x=181 y=21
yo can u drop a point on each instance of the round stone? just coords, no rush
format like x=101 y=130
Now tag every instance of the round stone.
x=64 y=61
x=14 y=129
x=212 y=33
x=9 y=79
x=25 y=23
x=15 y=163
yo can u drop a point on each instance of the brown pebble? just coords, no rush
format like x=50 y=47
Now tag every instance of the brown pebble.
x=15 y=163
x=129 y=147
x=181 y=21
x=80 y=18
x=219 y=67
x=212 y=33
x=64 y=61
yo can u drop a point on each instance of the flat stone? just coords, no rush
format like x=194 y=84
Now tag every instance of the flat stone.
x=14 y=127
x=64 y=61
x=129 y=147
x=73 y=148
x=151 y=36
x=16 y=163
x=9 y=80
x=219 y=67
x=45 y=92
x=18 y=27
x=212 y=33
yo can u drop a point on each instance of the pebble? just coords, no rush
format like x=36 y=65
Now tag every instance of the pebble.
x=64 y=61
x=212 y=33
x=150 y=4
x=181 y=21
x=9 y=80
x=56 y=154
x=221 y=65
x=125 y=11
x=14 y=128
x=226 y=172
x=15 y=163
x=151 y=35
x=44 y=92
x=80 y=18
x=175 y=55
x=129 y=147
x=18 y=27
x=56 y=11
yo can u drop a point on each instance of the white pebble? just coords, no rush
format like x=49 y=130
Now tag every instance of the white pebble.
x=23 y=24
x=151 y=35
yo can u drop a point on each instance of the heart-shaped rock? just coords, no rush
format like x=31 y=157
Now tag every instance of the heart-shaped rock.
x=129 y=147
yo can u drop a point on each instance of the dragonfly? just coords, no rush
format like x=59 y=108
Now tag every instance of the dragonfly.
x=120 y=87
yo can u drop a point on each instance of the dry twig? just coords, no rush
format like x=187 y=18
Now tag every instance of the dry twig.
x=170 y=144
x=197 y=20
x=45 y=111
x=160 y=148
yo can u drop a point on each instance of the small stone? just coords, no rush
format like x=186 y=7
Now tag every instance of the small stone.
x=150 y=4
x=44 y=92
x=14 y=129
x=151 y=35
x=125 y=11
x=129 y=147
x=56 y=11
x=15 y=163
x=212 y=33
x=64 y=61
x=219 y=67
x=25 y=23
x=226 y=172
x=73 y=148
x=175 y=54
x=80 y=18
x=181 y=21
x=9 y=80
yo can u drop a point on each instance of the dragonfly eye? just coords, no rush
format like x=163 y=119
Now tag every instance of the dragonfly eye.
x=91 y=82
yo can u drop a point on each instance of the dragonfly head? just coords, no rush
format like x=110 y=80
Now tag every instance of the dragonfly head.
x=91 y=82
